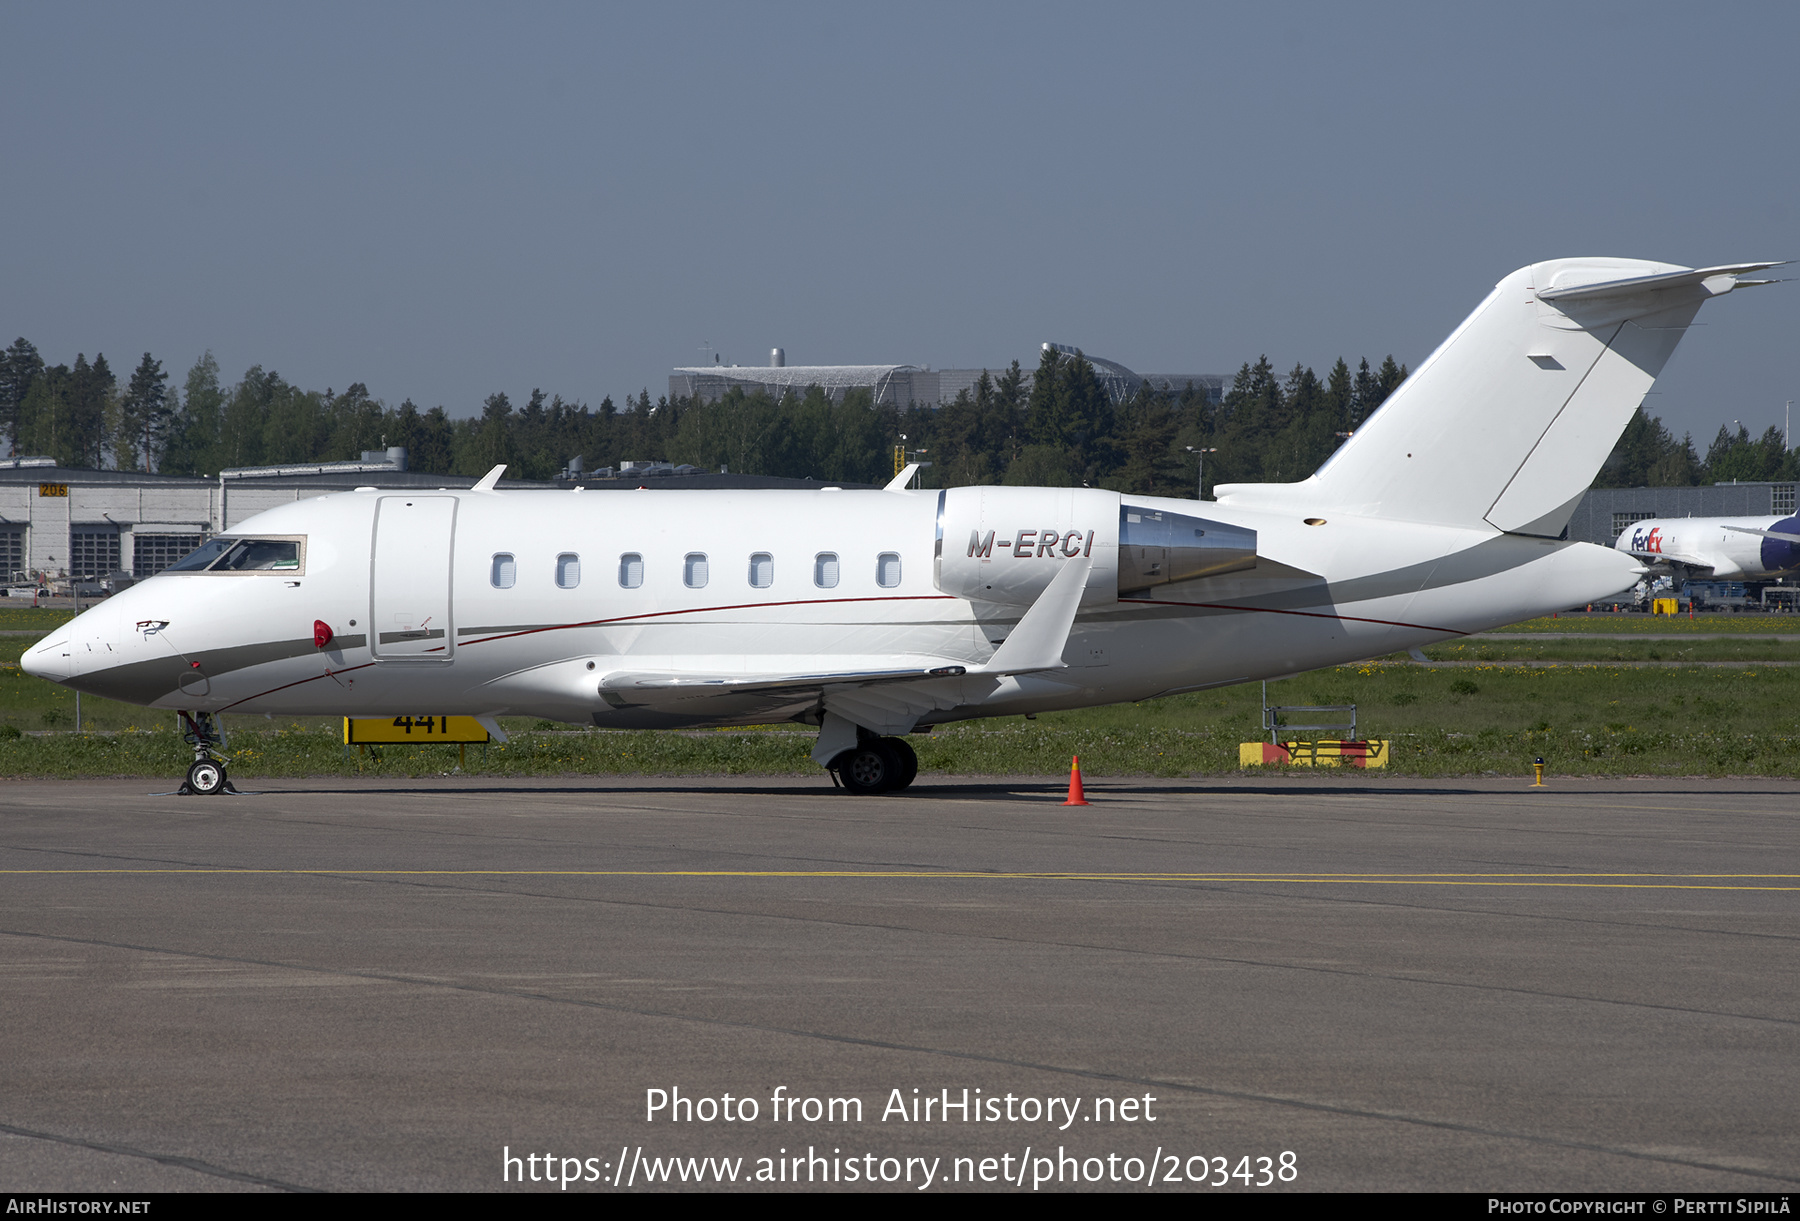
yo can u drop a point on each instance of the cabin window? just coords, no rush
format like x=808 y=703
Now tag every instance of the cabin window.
x=887 y=569
x=693 y=570
x=568 y=570
x=825 y=570
x=631 y=570
x=762 y=570
x=504 y=572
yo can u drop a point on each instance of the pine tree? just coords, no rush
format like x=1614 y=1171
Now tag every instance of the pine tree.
x=81 y=434
x=1389 y=377
x=20 y=366
x=1365 y=396
x=1339 y=395
x=193 y=436
x=144 y=417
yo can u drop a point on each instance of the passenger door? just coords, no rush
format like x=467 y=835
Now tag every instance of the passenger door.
x=409 y=579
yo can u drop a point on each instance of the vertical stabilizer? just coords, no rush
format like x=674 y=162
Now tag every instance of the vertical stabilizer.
x=1508 y=422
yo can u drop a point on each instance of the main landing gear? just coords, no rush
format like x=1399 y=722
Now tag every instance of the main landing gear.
x=876 y=765
x=207 y=775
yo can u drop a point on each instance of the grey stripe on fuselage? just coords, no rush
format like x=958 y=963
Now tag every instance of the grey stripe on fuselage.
x=145 y=682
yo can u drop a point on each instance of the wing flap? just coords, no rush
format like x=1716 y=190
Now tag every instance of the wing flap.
x=665 y=686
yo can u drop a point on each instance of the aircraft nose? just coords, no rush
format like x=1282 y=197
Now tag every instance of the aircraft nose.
x=52 y=659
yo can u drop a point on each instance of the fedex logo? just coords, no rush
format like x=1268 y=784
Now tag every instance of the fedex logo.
x=1033 y=544
x=1651 y=543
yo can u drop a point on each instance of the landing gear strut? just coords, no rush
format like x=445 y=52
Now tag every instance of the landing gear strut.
x=207 y=774
x=876 y=765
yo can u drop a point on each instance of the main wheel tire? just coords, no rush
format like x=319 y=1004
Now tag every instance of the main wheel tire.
x=206 y=778
x=868 y=769
x=909 y=761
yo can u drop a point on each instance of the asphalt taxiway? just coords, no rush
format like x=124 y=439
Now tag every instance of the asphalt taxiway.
x=1457 y=985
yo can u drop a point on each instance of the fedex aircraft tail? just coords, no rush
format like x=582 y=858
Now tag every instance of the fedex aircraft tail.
x=1506 y=424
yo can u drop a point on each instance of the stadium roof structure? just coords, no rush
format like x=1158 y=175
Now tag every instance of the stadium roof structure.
x=829 y=378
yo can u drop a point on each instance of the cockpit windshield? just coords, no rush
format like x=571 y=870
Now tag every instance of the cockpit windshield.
x=202 y=556
x=229 y=554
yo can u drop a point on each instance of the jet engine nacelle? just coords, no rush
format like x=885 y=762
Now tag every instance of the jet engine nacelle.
x=1005 y=544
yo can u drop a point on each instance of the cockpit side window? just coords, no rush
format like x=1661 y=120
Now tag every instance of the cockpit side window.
x=230 y=554
x=261 y=555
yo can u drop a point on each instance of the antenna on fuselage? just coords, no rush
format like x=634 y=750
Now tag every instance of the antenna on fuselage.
x=490 y=482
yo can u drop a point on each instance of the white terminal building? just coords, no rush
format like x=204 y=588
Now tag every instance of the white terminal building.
x=95 y=527
x=910 y=385
x=91 y=525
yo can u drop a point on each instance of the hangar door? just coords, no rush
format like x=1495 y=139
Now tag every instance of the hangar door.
x=409 y=579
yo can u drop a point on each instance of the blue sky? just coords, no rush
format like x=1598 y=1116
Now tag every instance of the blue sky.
x=443 y=201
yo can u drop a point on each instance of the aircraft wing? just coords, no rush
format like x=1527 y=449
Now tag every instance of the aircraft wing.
x=1666 y=556
x=887 y=694
x=1667 y=563
x=888 y=698
x=665 y=686
x=1783 y=536
x=1036 y=644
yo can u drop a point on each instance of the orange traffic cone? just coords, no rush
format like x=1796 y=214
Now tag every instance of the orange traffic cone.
x=1076 y=798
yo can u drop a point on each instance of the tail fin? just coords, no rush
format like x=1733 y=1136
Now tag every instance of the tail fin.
x=1507 y=423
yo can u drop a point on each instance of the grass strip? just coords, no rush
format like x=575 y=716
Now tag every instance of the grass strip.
x=1443 y=721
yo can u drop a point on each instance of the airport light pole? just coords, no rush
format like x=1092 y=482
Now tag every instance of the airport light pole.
x=903 y=455
x=1200 y=469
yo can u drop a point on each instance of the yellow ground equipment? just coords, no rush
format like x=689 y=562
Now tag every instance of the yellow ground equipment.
x=1327 y=752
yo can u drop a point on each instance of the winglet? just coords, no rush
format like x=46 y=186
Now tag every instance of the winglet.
x=1037 y=643
x=490 y=482
x=898 y=482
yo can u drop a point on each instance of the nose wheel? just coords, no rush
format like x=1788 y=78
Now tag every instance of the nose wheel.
x=206 y=777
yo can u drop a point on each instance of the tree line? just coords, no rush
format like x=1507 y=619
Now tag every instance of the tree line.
x=1648 y=455
x=1054 y=426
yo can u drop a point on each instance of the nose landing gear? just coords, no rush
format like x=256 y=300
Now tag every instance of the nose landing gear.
x=207 y=774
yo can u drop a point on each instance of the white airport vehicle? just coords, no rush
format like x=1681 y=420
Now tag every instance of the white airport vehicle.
x=1716 y=548
x=874 y=614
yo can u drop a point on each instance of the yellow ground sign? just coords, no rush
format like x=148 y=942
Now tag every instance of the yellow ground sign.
x=412 y=730
x=1665 y=606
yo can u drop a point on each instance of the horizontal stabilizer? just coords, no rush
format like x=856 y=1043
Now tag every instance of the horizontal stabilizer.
x=1717 y=281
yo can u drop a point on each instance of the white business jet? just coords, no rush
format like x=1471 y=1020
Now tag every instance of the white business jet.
x=1722 y=548
x=875 y=614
